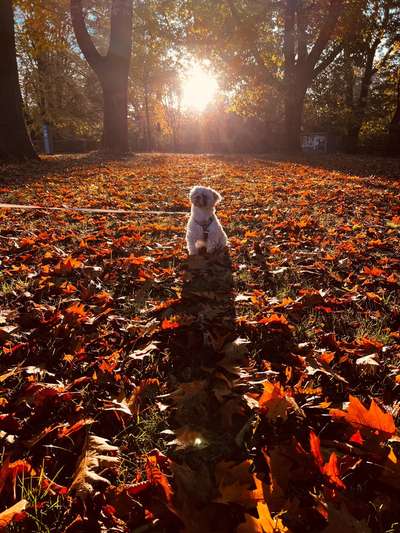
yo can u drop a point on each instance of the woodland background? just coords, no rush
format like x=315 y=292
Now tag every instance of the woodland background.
x=260 y=51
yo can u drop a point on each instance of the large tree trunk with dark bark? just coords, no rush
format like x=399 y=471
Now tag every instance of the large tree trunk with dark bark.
x=115 y=118
x=15 y=143
x=294 y=105
x=357 y=107
x=302 y=62
x=352 y=137
x=394 y=127
x=301 y=65
x=112 y=70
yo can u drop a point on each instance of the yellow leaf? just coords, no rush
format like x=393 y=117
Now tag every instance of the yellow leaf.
x=269 y=524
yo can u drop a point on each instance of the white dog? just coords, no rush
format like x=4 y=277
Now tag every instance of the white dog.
x=204 y=229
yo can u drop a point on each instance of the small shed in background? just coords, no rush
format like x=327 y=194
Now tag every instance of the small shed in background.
x=320 y=142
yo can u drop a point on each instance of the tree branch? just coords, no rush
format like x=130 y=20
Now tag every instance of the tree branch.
x=327 y=60
x=381 y=64
x=325 y=33
x=267 y=74
x=85 y=42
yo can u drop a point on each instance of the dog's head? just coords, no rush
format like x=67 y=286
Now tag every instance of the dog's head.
x=204 y=197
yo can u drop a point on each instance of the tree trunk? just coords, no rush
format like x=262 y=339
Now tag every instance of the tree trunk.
x=351 y=139
x=294 y=105
x=394 y=127
x=149 y=137
x=358 y=108
x=115 y=120
x=299 y=71
x=15 y=143
x=112 y=70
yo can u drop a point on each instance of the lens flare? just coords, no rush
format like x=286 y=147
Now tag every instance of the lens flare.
x=198 y=88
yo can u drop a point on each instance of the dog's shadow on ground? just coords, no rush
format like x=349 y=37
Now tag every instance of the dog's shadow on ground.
x=208 y=296
x=210 y=413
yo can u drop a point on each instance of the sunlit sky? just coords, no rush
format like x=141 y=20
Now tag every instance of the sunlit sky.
x=199 y=88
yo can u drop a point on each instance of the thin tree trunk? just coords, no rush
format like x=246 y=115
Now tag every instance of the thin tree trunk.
x=149 y=137
x=15 y=143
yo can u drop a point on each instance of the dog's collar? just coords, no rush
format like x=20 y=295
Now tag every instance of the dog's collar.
x=205 y=225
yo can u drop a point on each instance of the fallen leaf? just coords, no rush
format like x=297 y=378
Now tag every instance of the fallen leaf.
x=10 y=514
x=373 y=418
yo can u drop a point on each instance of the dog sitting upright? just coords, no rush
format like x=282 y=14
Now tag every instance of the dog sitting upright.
x=204 y=229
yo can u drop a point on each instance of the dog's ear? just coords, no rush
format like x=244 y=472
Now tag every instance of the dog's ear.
x=193 y=190
x=217 y=197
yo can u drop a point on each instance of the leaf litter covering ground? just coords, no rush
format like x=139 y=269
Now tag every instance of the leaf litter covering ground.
x=251 y=392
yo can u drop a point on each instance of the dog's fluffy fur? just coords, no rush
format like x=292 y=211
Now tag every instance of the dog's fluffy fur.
x=203 y=218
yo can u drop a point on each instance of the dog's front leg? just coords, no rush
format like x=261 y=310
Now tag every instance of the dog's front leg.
x=212 y=244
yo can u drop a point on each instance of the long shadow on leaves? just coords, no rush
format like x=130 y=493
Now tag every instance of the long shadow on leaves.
x=206 y=398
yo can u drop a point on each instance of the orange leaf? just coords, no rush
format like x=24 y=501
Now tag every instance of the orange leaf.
x=156 y=476
x=134 y=261
x=357 y=438
x=374 y=271
x=10 y=471
x=392 y=278
x=331 y=470
x=67 y=265
x=146 y=389
x=75 y=313
x=67 y=288
x=169 y=324
x=273 y=400
x=327 y=357
x=235 y=482
x=26 y=241
x=369 y=344
x=66 y=431
x=274 y=319
x=373 y=418
x=251 y=234
x=315 y=446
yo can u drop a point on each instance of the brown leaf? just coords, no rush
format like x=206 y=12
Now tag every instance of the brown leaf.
x=237 y=485
x=93 y=457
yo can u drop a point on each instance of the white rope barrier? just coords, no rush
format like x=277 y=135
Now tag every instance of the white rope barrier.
x=91 y=210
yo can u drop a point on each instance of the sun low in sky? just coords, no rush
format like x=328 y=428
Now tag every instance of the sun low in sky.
x=199 y=88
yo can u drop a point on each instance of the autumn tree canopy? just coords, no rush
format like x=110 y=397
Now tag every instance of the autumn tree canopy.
x=112 y=73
